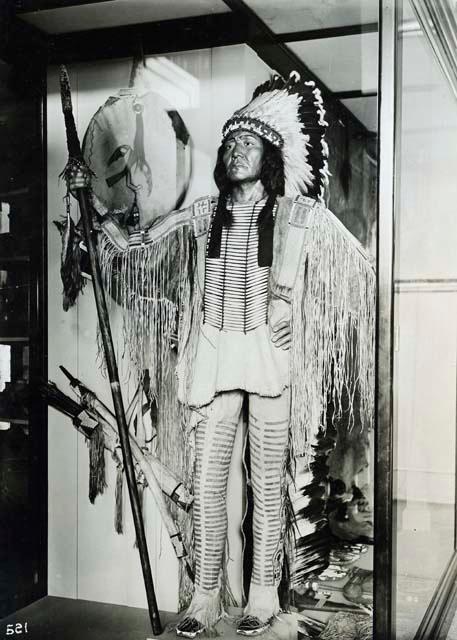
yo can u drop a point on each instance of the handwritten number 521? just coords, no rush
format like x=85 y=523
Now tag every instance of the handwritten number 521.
x=16 y=629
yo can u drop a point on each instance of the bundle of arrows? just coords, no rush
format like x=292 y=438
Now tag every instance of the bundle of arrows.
x=93 y=419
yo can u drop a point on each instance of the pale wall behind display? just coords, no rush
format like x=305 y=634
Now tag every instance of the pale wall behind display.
x=87 y=559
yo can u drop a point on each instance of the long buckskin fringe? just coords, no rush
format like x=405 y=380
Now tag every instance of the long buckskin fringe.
x=97 y=480
x=154 y=285
x=333 y=330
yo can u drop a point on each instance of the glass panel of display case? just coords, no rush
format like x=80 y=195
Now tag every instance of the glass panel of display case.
x=425 y=357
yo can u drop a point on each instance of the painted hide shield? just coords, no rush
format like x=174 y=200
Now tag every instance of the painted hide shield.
x=138 y=147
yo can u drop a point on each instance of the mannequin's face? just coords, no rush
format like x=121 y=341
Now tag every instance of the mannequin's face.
x=242 y=156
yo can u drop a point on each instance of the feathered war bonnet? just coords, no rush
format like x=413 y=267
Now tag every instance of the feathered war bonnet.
x=291 y=116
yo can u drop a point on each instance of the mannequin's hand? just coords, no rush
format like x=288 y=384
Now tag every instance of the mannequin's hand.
x=79 y=179
x=281 y=334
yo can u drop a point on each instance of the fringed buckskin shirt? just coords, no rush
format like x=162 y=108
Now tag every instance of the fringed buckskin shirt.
x=320 y=277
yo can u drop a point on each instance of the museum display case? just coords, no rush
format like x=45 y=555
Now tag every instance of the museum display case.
x=374 y=514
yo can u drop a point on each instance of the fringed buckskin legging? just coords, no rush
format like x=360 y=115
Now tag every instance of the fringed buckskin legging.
x=268 y=436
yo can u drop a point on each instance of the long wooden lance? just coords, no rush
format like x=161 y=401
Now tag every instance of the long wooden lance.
x=76 y=160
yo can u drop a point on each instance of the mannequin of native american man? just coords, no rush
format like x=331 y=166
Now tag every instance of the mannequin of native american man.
x=270 y=290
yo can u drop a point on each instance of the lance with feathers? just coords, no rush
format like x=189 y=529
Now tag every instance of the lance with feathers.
x=76 y=160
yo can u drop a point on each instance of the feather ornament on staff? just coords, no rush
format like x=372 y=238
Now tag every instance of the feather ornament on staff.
x=90 y=427
x=75 y=159
x=170 y=484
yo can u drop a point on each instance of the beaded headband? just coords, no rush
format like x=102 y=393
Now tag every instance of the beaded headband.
x=256 y=126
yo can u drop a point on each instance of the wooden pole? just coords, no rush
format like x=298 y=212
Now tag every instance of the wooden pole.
x=76 y=159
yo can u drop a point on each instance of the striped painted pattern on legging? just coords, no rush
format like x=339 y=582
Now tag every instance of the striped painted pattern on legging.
x=268 y=441
x=214 y=440
x=236 y=288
